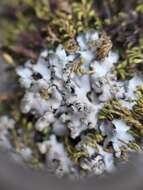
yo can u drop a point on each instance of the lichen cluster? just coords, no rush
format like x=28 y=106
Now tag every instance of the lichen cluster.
x=80 y=107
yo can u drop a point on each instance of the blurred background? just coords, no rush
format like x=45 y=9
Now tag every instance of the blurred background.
x=25 y=24
x=15 y=177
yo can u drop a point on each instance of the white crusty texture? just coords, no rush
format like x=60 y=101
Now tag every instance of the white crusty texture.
x=93 y=165
x=68 y=102
x=135 y=82
x=6 y=123
x=66 y=92
x=120 y=137
x=58 y=158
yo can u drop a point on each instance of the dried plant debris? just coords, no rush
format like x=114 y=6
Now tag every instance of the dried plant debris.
x=79 y=109
x=129 y=16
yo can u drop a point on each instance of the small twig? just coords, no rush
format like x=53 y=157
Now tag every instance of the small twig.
x=24 y=51
x=7 y=97
x=52 y=36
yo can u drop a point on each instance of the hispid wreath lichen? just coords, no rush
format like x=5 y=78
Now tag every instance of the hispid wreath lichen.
x=81 y=110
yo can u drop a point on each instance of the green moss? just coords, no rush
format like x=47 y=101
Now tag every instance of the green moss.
x=73 y=153
x=114 y=109
x=132 y=62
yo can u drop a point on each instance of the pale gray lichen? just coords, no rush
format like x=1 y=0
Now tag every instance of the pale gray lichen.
x=67 y=99
x=57 y=159
x=6 y=123
x=65 y=92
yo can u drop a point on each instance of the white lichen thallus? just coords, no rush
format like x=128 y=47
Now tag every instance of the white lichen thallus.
x=73 y=96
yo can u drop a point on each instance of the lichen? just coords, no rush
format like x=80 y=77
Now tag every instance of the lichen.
x=81 y=106
x=84 y=114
